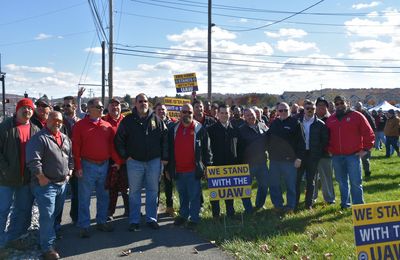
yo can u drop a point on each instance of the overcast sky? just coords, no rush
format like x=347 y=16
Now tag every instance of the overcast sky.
x=49 y=47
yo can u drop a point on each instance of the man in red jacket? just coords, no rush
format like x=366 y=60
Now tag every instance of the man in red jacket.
x=93 y=146
x=351 y=137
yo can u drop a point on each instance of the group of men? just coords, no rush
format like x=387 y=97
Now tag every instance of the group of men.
x=134 y=151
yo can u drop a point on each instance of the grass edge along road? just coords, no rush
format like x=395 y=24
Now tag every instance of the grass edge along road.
x=326 y=232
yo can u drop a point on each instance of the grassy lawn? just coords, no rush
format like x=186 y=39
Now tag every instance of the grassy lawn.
x=326 y=232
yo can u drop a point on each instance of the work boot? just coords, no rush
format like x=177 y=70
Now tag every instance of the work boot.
x=51 y=255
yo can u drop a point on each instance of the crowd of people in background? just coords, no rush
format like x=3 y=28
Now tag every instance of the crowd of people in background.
x=116 y=150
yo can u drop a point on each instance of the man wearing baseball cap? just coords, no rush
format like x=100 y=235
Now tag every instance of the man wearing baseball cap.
x=41 y=113
x=14 y=180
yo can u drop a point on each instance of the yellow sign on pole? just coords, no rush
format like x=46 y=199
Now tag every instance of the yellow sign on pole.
x=186 y=82
x=229 y=181
x=377 y=230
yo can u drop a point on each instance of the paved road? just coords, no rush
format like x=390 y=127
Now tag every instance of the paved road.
x=169 y=242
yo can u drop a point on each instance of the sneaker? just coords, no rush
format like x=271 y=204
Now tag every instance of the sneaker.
x=179 y=221
x=134 y=227
x=110 y=218
x=51 y=255
x=171 y=212
x=105 y=227
x=191 y=225
x=84 y=233
x=154 y=225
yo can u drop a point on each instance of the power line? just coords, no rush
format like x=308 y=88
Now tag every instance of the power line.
x=255 y=66
x=263 y=62
x=97 y=21
x=220 y=25
x=281 y=20
x=261 y=19
x=42 y=14
x=250 y=54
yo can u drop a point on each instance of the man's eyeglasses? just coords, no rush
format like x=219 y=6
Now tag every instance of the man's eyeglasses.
x=309 y=108
x=99 y=107
x=283 y=110
x=68 y=105
x=341 y=103
x=143 y=101
x=186 y=112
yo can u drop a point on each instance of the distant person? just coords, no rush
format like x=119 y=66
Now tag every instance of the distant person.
x=294 y=110
x=331 y=107
x=117 y=180
x=380 y=121
x=350 y=138
x=392 y=131
x=200 y=115
x=252 y=149
x=237 y=119
x=92 y=143
x=49 y=159
x=189 y=155
x=365 y=159
x=42 y=111
x=316 y=137
x=325 y=168
x=223 y=139
x=214 y=110
x=286 y=147
x=142 y=141
x=162 y=113
x=15 y=190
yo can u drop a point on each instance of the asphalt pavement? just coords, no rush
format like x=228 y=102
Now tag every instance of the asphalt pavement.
x=169 y=242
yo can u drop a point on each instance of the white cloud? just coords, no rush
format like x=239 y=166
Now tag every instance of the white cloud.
x=294 y=46
x=95 y=50
x=21 y=69
x=43 y=36
x=365 y=5
x=287 y=32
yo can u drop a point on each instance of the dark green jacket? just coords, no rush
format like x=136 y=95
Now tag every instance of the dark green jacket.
x=10 y=154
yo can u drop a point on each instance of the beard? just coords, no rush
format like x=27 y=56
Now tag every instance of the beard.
x=186 y=120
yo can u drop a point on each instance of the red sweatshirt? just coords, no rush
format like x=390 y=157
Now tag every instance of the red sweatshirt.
x=93 y=141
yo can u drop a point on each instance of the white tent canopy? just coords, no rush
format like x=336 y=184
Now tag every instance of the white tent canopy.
x=384 y=106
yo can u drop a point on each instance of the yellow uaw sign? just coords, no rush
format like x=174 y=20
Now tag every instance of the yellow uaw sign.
x=186 y=82
x=377 y=230
x=174 y=105
x=229 y=181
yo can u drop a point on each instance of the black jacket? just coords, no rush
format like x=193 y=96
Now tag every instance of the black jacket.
x=223 y=144
x=286 y=141
x=319 y=138
x=370 y=119
x=143 y=139
x=10 y=154
x=202 y=151
x=252 y=143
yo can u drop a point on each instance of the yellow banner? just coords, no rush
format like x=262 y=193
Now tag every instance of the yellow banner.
x=228 y=170
x=175 y=101
x=374 y=213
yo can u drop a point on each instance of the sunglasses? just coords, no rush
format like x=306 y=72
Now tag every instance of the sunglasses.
x=339 y=103
x=283 y=110
x=42 y=105
x=143 y=101
x=99 y=107
x=68 y=105
x=185 y=112
x=309 y=108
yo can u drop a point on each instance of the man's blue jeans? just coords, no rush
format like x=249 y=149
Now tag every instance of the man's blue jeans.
x=379 y=139
x=147 y=174
x=94 y=177
x=21 y=200
x=348 y=168
x=287 y=171
x=260 y=173
x=50 y=200
x=189 y=195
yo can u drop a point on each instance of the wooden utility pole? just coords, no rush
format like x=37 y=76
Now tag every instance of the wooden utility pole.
x=103 y=71
x=3 y=84
x=110 y=52
x=209 y=73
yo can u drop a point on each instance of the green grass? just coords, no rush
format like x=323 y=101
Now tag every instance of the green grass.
x=326 y=232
